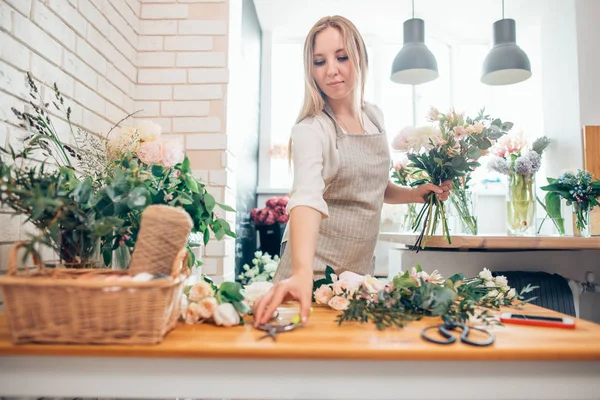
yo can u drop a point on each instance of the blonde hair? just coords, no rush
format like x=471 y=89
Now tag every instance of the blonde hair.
x=314 y=98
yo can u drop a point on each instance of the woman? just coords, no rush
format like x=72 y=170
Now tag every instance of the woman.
x=341 y=171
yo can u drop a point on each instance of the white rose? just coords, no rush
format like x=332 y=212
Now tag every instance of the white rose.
x=505 y=289
x=149 y=131
x=372 y=284
x=344 y=286
x=184 y=306
x=271 y=267
x=258 y=254
x=256 y=290
x=323 y=294
x=200 y=291
x=339 y=303
x=501 y=281
x=486 y=274
x=511 y=294
x=226 y=315
x=492 y=294
x=206 y=307
x=490 y=284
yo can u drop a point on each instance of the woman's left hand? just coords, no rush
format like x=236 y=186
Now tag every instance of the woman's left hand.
x=422 y=191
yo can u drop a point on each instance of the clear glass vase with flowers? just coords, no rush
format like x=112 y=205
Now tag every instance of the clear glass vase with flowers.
x=519 y=162
x=444 y=150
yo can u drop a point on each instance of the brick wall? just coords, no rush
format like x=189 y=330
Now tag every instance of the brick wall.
x=167 y=58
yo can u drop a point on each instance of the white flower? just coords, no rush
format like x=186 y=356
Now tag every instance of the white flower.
x=265 y=258
x=207 y=307
x=323 y=294
x=435 y=277
x=486 y=274
x=349 y=287
x=256 y=290
x=200 y=290
x=149 y=131
x=258 y=254
x=339 y=303
x=184 y=306
x=372 y=284
x=226 y=315
x=511 y=294
x=492 y=294
x=501 y=281
x=490 y=284
x=271 y=267
x=353 y=278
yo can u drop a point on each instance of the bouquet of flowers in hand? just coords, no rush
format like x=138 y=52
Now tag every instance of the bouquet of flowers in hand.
x=415 y=294
x=222 y=305
x=262 y=270
x=274 y=212
x=444 y=150
x=579 y=190
x=520 y=164
x=460 y=195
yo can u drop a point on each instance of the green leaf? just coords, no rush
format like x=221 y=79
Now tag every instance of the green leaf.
x=225 y=207
x=158 y=171
x=139 y=198
x=457 y=277
x=206 y=236
x=219 y=233
x=230 y=292
x=209 y=202
x=107 y=256
x=191 y=184
x=185 y=166
x=497 y=122
x=507 y=126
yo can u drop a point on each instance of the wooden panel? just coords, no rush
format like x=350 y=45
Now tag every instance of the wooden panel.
x=322 y=338
x=499 y=242
x=591 y=162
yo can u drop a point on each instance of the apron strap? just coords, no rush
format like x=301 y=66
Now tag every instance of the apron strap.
x=373 y=117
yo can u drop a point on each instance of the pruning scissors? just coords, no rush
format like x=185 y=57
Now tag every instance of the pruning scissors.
x=276 y=326
x=450 y=325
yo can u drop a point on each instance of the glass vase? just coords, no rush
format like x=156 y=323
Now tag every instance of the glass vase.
x=463 y=203
x=521 y=205
x=582 y=220
x=408 y=219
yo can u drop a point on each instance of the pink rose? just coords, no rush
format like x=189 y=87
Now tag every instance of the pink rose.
x=192 y=314
x=372 y=284
x=339 y=303
x=200 y=291
x=272 y=202
x=323 y=294
x=150 y=152
x=172 y=152
x=283 y=219
x=207 y=307
x=283 y=201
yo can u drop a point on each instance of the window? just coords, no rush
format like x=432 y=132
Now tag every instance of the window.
x=458 y=86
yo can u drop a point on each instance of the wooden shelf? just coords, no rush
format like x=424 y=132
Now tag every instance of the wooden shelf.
x=498 y=242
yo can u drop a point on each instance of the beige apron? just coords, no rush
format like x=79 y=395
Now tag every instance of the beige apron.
x=346 y=240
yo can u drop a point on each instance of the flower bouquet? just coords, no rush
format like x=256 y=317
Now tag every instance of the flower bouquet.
x=445 y=150
x=269 y=221
x=579 y=190
x=86 y=198
x=262 y=270
x=520 y=165
x=415 y=294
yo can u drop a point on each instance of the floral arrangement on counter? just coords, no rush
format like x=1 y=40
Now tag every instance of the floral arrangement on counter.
x=579 y=190
x=445 y=150
x=85 y=193
x=415 y=294
x=262 y=270
x=274 y=212
x=223 y=305
x=514 y=158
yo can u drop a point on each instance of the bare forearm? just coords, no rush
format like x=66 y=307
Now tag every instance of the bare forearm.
x=304 y=228
x=395 y=194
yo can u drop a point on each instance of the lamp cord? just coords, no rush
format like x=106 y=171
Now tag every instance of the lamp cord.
x=502 y=9
x=413 y=8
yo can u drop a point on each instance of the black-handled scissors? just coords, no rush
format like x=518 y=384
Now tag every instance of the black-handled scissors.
x=273 y=329
x=448 y=326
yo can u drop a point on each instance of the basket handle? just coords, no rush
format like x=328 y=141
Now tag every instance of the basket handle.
x=180 y=264
x=14 y=254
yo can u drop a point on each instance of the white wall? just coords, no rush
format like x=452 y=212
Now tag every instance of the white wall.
x=588 y=56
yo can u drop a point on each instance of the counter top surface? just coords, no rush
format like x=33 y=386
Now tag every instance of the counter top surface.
x=322 y=338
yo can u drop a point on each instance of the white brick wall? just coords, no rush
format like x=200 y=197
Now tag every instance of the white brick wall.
x=113 y=57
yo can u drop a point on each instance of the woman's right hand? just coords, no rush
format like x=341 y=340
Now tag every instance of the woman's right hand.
x=297 y=287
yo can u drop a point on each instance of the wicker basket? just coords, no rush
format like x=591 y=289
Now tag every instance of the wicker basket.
x=54 y=306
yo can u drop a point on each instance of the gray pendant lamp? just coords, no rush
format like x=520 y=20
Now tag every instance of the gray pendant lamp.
x=506 y=63
x=414 y=64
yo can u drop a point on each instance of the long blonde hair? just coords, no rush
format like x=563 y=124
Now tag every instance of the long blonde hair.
x=314 y=98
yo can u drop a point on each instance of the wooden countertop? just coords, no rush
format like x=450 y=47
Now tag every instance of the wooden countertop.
x=323 y=339
x=498 y=242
